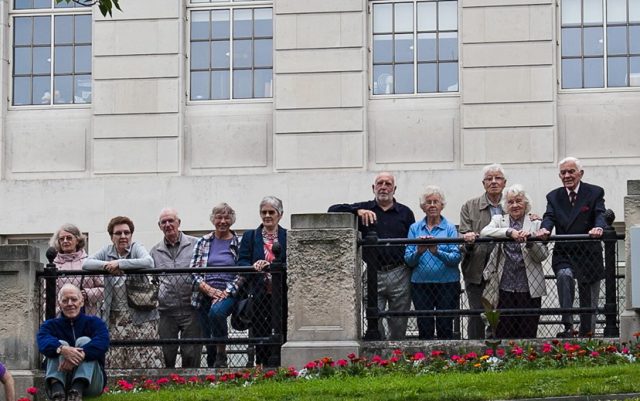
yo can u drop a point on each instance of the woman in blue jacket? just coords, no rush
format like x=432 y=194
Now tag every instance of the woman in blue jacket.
x=259 y=248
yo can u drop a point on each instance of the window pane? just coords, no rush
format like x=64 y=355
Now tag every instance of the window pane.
x=448 y=15
x=427 y=47
x=403 y=48
x=63 y=89
x=382 y=79
x=403 y=74
x=448 y=49
x=242 y=23
x=82 y=92
x=220 y=54
x=593 y=41
x=571 y=12
x=382 y=50
x=592 y=11
x=199 y=25
x=42 y=30
x=83 y=59
x=22 y=30
x=64 y=29
x=382 y=18
x=63 y=60
x=41 y=60
x=572 y=73
x=634 y=71
x=220 y=25
x=617 y=40
x=448 y=77
x=263 y=54
x=593 y=73
x=616 y=11
x=23 y=4
x=427 y=78
x=403 y=17
x=571 y=42
x=200 y=55
x=21 y=91
x=634 y=39
x=616 y=71
x=427 y=16
x=262 y=25
x=634 y=11
x=262 y=83
x=22 y=60
x=42 y=90
x=242 y=84
x=83 y=29
x=42 y=4
x=220 y=85
x=242 y=54
x=200 y=85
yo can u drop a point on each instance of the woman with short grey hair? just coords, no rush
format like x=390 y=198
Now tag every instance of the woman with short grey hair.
x=514 y=276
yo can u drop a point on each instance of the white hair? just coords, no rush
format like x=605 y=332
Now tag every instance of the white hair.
x=68 y=286
x=573 y=160
x=432 y=190
x=493 y=168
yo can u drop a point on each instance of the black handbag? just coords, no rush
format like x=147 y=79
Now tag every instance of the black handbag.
x=142 y=292
x=242 y=315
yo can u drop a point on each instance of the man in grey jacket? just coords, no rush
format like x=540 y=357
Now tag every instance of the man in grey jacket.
x=177 y=316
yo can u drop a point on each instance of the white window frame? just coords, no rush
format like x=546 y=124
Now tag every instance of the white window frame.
x=202 y=5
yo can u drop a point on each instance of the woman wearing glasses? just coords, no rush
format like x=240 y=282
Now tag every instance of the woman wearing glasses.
x=69 y=242
x=124 y=322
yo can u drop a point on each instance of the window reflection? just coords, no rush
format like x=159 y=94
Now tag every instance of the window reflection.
x=593 y=72
x=617 y=71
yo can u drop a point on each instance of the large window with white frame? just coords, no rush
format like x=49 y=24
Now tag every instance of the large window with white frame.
x=51 y=54
x=600 y=44
x=414 y=46
x=231 y=49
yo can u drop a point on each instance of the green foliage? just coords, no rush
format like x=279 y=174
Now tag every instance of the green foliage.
x=105 y=6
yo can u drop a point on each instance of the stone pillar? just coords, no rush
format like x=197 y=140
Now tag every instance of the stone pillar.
x=20 y=305
x=323 y=274
x=630 y=318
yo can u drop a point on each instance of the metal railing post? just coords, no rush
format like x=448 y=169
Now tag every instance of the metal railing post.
x=372 y=294
x=611 y=328
x=50 y=284
x=278 y=308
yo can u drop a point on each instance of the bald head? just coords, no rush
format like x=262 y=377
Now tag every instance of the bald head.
x=169 y=224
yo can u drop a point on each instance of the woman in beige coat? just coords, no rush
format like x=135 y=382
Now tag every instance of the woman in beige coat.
x=514 y=274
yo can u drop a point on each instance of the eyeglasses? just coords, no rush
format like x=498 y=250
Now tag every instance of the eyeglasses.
x=122 y=233
x=432 y=202
x=167 y=221
x=67 y=238
x=570 y=172
x=490 y=179
x=268 y=212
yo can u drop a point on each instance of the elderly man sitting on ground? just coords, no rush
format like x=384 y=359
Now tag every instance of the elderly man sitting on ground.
x=75 y=345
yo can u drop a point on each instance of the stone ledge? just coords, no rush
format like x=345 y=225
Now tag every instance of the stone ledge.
x=319 y=221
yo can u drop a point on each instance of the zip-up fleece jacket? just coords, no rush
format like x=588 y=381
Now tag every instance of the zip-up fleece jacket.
x=62 y=328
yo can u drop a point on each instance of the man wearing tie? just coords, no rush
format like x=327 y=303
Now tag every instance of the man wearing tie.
x=576 y=208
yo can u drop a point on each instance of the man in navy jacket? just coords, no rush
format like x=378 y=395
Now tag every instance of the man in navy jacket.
x=75 y=346
x=576 y=208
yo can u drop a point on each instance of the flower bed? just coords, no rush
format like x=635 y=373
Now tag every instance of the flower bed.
x=553 y=354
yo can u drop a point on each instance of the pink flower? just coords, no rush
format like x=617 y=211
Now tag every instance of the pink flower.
x=501 y=352
x=210 y=378
x=23 y=399
x=471 y=355
x=32 y=390
x=488 y=352
x=455 y=358
x=625 y=350
x=436 y=353
x=546 y=348
x=517 y=351
x=311 y=365
x=351 y=356
x=394 y=359
x=397 y=352
x=595 y=354
x=161 y=381
x=342 y=363
x=194 y=379
x=418 y=356
x=376 y=359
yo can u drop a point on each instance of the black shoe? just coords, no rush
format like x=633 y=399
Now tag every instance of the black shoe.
x=58 y=396
x=74 y=395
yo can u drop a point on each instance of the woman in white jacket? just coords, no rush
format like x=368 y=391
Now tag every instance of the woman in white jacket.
x=514 y=274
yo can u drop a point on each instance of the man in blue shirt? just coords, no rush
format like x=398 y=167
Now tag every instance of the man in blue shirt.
x=389 y=219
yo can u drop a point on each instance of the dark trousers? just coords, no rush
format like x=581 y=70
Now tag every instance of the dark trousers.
x=518 y=326
x=435 y=296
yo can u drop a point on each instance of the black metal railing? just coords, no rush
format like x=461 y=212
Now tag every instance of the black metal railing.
x=549 y=311
x=268 y=314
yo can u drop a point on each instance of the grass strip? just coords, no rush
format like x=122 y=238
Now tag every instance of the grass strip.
x=507 y=385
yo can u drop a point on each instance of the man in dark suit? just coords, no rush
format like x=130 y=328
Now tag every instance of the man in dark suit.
x=576 y=208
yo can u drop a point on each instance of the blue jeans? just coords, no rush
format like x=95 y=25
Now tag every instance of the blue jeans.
x=218 y=315
x=435 y=296
x=87 y=370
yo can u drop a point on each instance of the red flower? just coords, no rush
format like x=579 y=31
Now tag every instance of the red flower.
x=394 y=359
x=351 y=356
x=501 y=352
x=397 y=352
x=23 y=399
x=595 y=354
x=418 y=356
x=194 y=379
x=342 y=362
x=210 y=378
x=32 y=390
x=436 y=353
x=269 y=374
x=471 y=355
x=488 y=352
x=546 y=348
x=311 y=365
x=161 y=381
x=376 y=359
